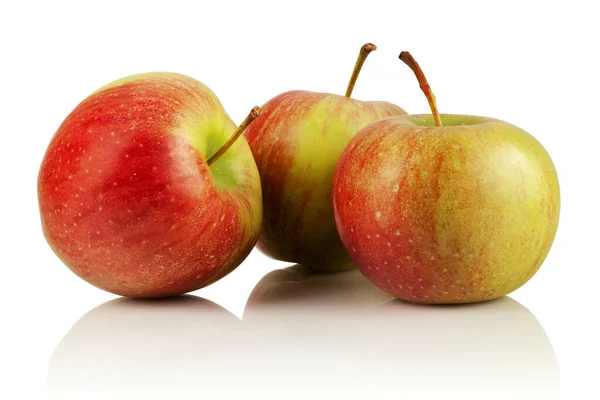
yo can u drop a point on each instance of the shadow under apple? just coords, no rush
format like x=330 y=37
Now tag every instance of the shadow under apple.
x=297 y=288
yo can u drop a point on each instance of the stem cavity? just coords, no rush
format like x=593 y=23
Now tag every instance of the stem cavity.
x=256 y=111
x=408 y=59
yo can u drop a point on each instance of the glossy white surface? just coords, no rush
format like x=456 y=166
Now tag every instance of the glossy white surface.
x=302 y=334
x=532 y=64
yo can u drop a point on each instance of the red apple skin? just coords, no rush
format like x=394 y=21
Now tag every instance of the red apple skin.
x=296 y=142
x=127 y=200
x=457 y=214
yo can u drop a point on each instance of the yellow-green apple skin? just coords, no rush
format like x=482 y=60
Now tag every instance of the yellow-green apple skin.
x=127 y=199
x=296 y=142
x=462 y=213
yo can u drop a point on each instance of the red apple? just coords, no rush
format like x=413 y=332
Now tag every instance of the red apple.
x=446 y=209
x=297 y=142
x=127 y=199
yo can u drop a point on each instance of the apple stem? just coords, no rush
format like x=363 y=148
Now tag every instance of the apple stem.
x=362 y=56
x=408 y=59
x=256 y=111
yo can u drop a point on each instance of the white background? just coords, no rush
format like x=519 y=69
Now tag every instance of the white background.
x=534 y=64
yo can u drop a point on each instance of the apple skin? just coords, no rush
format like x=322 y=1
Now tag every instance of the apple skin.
x=127 y=200
x=458 y=214
x=296 y=142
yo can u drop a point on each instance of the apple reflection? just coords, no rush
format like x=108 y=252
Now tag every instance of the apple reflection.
x=344 y=334
x=125 y=346
x=297 y=288
x=303 y=333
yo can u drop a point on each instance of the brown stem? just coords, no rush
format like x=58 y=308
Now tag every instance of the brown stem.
x=256 y=111
x=408 y=59
x=362 y=56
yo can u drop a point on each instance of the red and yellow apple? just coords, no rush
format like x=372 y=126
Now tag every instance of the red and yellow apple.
x=296 y=143
x=446 y=208
x=127 y=199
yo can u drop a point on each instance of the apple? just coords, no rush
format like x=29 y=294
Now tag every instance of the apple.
x=296 y=143
x=127 y=199
x=446 y=208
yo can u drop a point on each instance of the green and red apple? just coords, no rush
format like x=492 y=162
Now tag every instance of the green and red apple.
x=128 y=200
x=446 y=208
x=296 y=143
